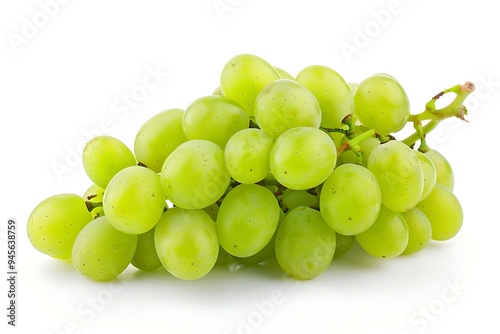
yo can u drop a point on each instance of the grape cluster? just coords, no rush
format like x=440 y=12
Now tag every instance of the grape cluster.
x=267 y=166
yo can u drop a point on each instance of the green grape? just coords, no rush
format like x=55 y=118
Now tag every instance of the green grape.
x=295 y=198
x=158 y=137
x=186 y=243
x=350 y=199
x=381 y=103
x=247 y=155
x=444 y=211
x=303 y=157
x=305 y=244
x=285 y=104
x=145 y=256
x=387 y=237
x=194 y=176
x=214 y=118
x=54 y=224
x=283 y=74
x=247 y=219
x=95 y=194
x=399 y=174
x=101 y=252
x=103 y=157
x=343 y=245
x=419 y=230
x=212 y=210
x=243 y=77
x=134 y=200
x=430 y=174
x=353 y=87
x=331 y=90
x=218 y=91
x=444 y=170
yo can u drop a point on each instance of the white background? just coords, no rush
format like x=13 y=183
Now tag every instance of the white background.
x=63 y=82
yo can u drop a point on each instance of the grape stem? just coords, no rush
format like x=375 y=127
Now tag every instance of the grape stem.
x=434 y=116
x=92 y=205
x=354 y=142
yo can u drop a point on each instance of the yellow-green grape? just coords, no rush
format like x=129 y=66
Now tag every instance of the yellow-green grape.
x=134 y=200
x=305 y=244
x=350 y=199
x=186 y=243
x=430 y=174
x=399 y=174
x=283 y=74
x=303 y=157
x=54 y=224
x=285 y=104
x=295 y=198
x=103 y=157
x=343 y=245
x=194 y=176
x=158 y=137
x=214 y=118
x=247 y=219
x=331 y=90
x=243 y=77
x=101 y=252
x=95 y=194
x=212 y=211
x=444 y=211
x=419 y=230
x=145 y=257
x=218 y=91
x=381 y=103
x=387 y=237
x=444 y=170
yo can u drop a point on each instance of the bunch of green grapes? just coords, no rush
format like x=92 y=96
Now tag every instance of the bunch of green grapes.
x=267 y=167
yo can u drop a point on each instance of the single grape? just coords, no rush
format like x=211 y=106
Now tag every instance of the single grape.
x=54 y=224
x=444 y=211
x=381 y=103
x=295 y=198
x=343 y=245
x=419 y=230
x=186 y=243
x=247 y=155
x=194 y=176
x=430 y=174
x=331 y=90
x=145 y=256
x=103 y=157
x=243 y=77
x=444 y=170
x=350 y=199
x=158 y=137
x=134 y=200
x=95 y=194
x=214 y=118
x=101 y=252
x=247 y=219
x=285 y=104
x=305 y=244
x=387 y=237
x=283 y=74
x=212 y=210
x=302 y=158
x=399 y=174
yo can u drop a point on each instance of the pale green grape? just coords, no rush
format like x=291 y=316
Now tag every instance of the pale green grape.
x=283 y=74
x=350 y=199
x=103 y=157
x=303 y=157
x=145 y=256
x=295 y=198
x=54 y=224
x=212 y=210
x=399 y=174
x=444 y=170
x=218 y=91
x=305 y=244
x=381 y=103
x=95 y=194
x=343 y=245
x=387 y=237
x=194 y=176
x=285 y=104
x=243 y=77
x=419 y=230
x=158 y=137
x=134 y=200
x=331 y=90
x=247 y=219
x=214 y=118
x=430 y=174
x=444 y=211
x=353 y=87
x=186 y=243
x=247 y=155
x=101 y=252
